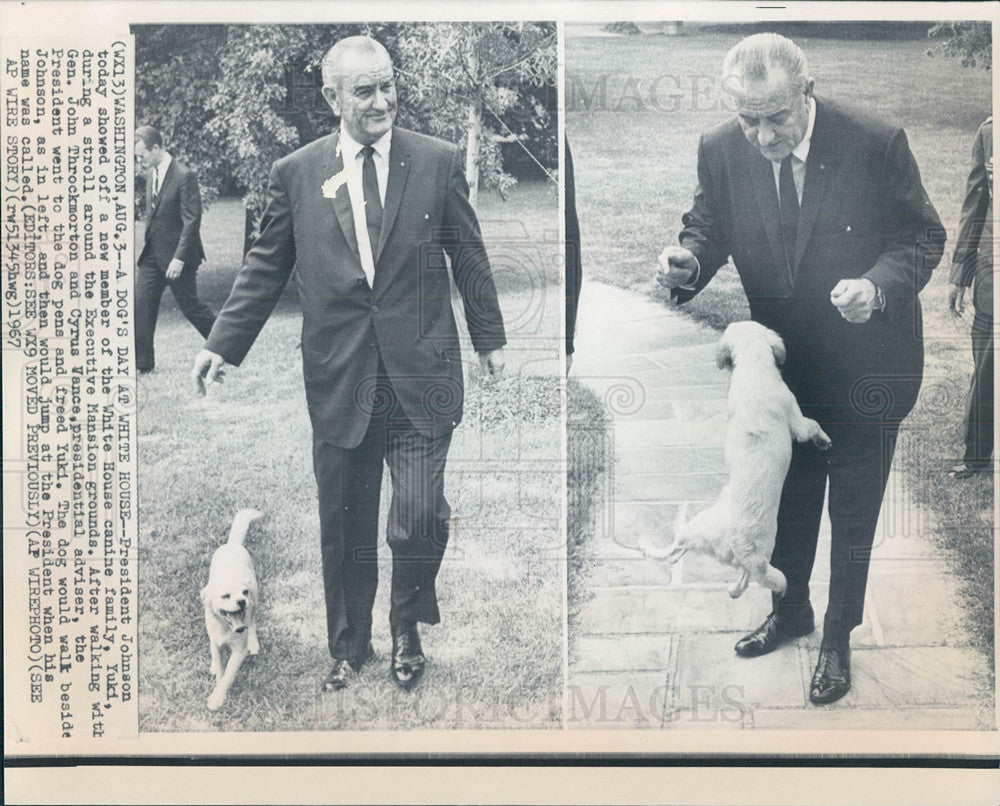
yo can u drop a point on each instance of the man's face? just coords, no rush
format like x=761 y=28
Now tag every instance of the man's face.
x=773 y=114
x=147 y=157
x=365 y=96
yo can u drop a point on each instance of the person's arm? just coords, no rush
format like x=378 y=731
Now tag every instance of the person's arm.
x=258 y=286
x=574 y=263
x=975 y=208
x=190 y=207
x=470 y=266
x=916 y=235
x=703 y=236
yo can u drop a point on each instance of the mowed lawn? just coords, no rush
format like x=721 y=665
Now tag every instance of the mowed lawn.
x=496 y=659
x=635 y=109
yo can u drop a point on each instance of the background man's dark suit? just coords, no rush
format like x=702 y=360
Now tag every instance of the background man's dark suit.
x=972 y=264
x=385 y=355
x=864 y=213
x=173 y=231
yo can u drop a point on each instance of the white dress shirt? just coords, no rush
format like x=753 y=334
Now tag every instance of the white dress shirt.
x=160 y=171
x=354 y=161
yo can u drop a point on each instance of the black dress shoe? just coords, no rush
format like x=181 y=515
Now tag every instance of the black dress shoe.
x=777 y=628
x=344 y=671
x=832 y=678
x=407 y=655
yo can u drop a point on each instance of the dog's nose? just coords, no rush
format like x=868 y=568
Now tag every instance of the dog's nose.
x=241 y=603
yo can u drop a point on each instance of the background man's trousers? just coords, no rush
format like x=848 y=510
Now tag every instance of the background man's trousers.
x=349 y=482
x=150 y=282
x=979 y=415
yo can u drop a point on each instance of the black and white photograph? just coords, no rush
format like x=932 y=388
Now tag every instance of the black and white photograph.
x=349 y=423
x=780 y=414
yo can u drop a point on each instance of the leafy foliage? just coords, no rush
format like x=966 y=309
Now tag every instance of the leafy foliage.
x=231 y=99
x=970 y=41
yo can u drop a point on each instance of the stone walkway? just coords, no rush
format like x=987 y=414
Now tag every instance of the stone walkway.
x=653 y=643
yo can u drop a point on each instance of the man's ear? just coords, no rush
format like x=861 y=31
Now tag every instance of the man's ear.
x=330 y=96
x=810 y=84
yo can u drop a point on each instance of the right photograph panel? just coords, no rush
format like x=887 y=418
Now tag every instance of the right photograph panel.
x=780 y=397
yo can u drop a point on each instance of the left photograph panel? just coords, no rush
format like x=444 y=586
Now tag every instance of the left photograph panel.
x=347 y=337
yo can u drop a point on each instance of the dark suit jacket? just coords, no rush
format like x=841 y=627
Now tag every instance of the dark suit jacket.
x=973 y=258
x=406 y=318
x=864 y=213
x=173 y=225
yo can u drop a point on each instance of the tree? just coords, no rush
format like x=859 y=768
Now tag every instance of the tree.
x=971 y=41
x=462 y=78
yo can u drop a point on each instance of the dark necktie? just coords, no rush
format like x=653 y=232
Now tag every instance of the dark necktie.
x=373 y=200
x=789 y=201
x=156 y=185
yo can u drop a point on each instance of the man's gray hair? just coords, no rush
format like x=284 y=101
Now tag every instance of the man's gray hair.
x=333 y=62
x=753 y=58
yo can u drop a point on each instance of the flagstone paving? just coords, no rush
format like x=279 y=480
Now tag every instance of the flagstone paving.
x=652 y=645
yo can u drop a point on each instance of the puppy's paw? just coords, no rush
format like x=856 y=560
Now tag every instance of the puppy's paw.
x=216 y=699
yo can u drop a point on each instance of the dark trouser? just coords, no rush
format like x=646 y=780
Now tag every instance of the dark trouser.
x=349 y=482
x=857 y=466
x=979 y=414
x=150 y=281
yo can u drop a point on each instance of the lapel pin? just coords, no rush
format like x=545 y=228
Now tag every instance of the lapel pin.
x=426 y=216
x=848 y=227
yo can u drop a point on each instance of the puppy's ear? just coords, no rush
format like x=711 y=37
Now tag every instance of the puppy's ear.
x=724 y=354
x=777 y=347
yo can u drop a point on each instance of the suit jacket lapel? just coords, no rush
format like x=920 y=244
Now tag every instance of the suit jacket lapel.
x=149 y=196
x=399 y=168
x=333 y=166
x=824 y=155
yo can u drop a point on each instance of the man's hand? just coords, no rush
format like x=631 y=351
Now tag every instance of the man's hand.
x=956 y=298
x=174 y=269
x=491 y=365
x=855 y=299
x=678 y=267
x=208 y=367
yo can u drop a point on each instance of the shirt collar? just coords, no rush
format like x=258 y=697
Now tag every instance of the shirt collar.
x=161 y=169
x=350 y=147
x=801 y=151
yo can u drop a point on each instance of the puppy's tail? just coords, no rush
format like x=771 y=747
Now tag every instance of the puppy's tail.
x=241 y=523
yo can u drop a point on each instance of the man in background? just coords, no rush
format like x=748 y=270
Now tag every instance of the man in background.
x=172 y=250
x=972 y=264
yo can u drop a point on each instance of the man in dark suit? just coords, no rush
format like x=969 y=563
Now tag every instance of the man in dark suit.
x=367 y=217
x=972 y=264
x=171 y=250
x=822 y=210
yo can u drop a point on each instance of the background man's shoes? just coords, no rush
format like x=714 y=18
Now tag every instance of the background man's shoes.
x=344 y=671
x=832 y=678
x=777 y=628
x=407 y=655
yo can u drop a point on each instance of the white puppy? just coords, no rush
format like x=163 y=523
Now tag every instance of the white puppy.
x=230 y=600
x=764 y=417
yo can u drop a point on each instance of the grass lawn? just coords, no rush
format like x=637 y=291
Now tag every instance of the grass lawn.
x=635 y=109
x=496 y=659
